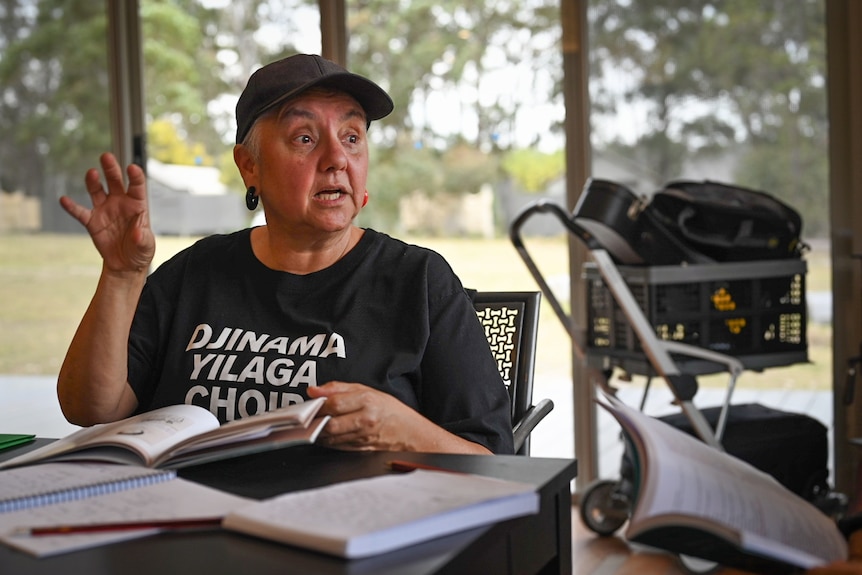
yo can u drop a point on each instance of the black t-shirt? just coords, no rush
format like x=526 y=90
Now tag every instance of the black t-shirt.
x=216 y=328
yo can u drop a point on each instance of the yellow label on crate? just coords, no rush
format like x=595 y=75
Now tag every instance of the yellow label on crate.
x=722 y=300
x=735 y=325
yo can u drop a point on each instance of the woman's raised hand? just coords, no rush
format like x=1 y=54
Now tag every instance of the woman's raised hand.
x=118 y=222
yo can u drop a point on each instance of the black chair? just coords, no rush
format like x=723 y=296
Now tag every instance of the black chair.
x=511 y=321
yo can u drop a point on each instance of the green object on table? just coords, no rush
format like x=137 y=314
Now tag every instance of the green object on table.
x=8 y=440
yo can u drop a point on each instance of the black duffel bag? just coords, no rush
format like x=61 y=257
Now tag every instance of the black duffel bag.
x=727 y=222
x=624 y=224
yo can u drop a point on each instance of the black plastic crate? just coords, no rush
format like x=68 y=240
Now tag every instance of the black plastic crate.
x=753 y=311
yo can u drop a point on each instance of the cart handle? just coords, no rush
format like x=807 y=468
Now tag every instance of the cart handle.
x=543 y=206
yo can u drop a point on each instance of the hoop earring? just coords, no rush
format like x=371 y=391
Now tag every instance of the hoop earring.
x=365 y=199
x=251 y=198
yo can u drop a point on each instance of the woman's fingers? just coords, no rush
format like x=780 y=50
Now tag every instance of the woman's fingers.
x=113 y=173
x=137 y=182
x=75 y=210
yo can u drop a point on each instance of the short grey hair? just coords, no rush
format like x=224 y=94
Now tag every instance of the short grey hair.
x=251 y=142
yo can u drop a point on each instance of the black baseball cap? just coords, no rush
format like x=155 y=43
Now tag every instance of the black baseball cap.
x=289 y=77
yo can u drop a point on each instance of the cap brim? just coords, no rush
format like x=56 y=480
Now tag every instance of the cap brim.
x=376 y=102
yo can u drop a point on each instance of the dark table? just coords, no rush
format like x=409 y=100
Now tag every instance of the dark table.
x=539 y=543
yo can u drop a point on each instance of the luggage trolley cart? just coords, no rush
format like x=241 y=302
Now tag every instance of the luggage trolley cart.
x=606 y=505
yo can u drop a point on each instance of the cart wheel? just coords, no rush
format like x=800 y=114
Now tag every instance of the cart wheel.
x=603 y=508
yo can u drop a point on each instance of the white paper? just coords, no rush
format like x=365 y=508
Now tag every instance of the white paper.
x=370 y=516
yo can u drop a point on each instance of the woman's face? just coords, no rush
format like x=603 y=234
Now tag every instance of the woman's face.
x=312 y=164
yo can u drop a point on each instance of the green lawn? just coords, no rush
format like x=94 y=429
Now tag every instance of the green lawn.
x=46 y=282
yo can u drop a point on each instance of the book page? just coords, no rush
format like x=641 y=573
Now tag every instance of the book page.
x=255 y=426
x=277 y=439
x=686 y=482
x=146 y=434
x=174 y=499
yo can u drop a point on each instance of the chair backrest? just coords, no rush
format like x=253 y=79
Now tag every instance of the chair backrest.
x=511 y=321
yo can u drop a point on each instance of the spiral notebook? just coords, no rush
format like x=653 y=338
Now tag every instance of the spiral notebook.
x=74 y=494
x=50 y=483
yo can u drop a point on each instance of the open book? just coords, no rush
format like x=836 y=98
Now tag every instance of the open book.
x=370 y=516
x=181 y=435
x=698 y=501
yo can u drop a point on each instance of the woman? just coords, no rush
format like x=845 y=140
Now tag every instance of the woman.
x=309 y=305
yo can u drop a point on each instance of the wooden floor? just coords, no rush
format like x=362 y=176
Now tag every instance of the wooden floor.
x=594 y=555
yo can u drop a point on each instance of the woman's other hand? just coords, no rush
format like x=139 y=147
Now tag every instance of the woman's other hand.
x=365 y=419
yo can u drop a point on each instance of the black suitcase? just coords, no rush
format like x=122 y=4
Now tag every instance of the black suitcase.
x=791 y=447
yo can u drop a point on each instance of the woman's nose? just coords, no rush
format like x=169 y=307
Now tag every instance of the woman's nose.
x=333 y=156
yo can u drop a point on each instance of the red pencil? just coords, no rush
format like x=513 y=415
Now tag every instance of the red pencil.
x=205 y=522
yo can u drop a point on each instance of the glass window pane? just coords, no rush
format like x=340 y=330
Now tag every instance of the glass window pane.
x=198 y=57
x=476 y=135
x=54 y=116
x=730 y=92
x=54 y=120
